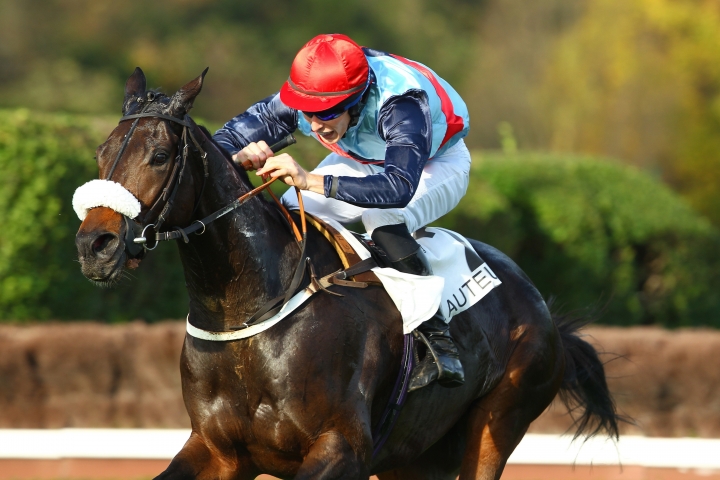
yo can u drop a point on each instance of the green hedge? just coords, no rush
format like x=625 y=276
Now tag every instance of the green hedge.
x=595 y=233
x=43 y=158
x=588 y=231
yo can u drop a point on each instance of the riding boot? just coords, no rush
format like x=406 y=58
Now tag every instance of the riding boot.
x=442 y=360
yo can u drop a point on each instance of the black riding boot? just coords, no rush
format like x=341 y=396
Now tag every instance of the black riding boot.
x=442 y=361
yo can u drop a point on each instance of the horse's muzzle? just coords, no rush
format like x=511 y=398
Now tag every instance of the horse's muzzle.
x=100 y=245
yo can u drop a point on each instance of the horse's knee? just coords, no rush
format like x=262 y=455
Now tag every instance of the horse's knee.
x=333 y=457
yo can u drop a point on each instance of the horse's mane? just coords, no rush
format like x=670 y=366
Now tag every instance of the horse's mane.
x=226 y=154
x=160 y=104
x=271 y=206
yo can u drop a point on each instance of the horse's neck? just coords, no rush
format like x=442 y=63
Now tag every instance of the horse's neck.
x=242 y=260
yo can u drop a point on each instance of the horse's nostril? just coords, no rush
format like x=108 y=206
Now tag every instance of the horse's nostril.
x=102 y=242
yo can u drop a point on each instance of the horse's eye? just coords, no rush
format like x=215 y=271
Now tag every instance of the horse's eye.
x=160 y=158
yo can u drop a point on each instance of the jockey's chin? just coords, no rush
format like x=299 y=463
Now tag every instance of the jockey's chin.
x=331 y=131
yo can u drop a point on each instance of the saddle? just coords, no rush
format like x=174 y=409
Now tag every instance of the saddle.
x=357 y=270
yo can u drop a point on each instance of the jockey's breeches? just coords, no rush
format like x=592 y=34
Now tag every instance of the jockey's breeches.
x=443 y=183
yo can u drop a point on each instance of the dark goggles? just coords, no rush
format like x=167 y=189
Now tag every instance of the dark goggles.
x=325 y=115
x=336 y=111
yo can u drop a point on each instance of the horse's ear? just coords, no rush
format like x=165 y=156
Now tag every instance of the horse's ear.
x=182 y=101
x=134 y=87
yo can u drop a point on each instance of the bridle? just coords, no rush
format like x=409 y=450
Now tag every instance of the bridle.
x=135 y=232
x=136 y=241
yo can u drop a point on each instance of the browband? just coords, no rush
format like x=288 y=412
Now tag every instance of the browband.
x=156 y=115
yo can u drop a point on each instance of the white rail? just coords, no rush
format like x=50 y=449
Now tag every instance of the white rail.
x=534 y=449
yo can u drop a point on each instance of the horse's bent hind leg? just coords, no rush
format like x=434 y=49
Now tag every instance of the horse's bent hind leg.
x=499 y=420
x=196 y=462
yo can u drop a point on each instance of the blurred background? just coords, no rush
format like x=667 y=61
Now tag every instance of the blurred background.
x=595 y=132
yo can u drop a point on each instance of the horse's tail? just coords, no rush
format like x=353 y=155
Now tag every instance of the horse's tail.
x=584 y=386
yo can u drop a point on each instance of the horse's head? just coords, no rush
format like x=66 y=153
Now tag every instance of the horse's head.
x=145 y=179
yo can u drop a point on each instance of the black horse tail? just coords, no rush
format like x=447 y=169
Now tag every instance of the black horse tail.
x=584 y=386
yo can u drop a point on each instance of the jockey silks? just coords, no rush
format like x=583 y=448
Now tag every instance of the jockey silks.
x=409 y=116
x=396 y=76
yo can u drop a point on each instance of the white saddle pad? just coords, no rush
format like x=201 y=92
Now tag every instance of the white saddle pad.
x=460 y=280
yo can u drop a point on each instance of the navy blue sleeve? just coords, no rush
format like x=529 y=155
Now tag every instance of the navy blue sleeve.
x=405 y=124
x=268 y=120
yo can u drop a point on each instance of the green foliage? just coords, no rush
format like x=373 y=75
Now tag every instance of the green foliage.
x=636 y=80
x=639 y=80
x=593 y=232
x=43 y=158
x=75 y=56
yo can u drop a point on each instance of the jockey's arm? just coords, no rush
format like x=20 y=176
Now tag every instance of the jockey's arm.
x=266 y=122
x=404 y=123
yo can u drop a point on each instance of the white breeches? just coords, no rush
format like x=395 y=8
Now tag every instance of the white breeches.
x=443 y=183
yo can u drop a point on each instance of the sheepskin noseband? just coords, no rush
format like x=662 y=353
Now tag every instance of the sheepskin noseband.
x=105 y=193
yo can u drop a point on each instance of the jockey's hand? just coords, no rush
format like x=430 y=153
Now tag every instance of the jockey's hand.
x=288 y=171
x=254 y=155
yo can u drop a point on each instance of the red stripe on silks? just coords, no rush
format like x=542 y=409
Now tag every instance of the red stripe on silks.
x=455 y=124
x=333 y=148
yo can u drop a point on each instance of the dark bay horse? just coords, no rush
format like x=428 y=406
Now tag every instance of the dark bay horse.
x=300 y=400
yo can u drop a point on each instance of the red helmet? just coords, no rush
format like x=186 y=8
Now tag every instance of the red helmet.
x=326 y=71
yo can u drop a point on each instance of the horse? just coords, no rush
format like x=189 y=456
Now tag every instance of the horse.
x=300 y=400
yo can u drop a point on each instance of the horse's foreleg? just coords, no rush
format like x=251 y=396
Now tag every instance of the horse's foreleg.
x=333 y=457
x=499 y=420
x=196 y=462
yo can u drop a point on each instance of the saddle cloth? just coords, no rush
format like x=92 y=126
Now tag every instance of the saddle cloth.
x=460 y=277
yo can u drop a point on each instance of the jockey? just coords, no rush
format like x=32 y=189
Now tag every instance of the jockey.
x=398 y=160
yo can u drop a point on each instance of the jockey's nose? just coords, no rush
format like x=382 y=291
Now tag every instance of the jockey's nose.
x=316 y=124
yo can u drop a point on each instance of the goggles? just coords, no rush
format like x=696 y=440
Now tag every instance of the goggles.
x=336 y=111
x=325 y=115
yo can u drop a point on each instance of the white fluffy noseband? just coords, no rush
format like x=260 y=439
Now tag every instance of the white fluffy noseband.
x=105 y=193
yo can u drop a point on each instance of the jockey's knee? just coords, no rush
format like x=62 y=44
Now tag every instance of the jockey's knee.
x=373 y=218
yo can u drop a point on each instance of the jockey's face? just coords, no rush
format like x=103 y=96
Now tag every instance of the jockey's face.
x=331 y=131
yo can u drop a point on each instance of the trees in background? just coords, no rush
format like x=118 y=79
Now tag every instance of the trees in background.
x=637 y=80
